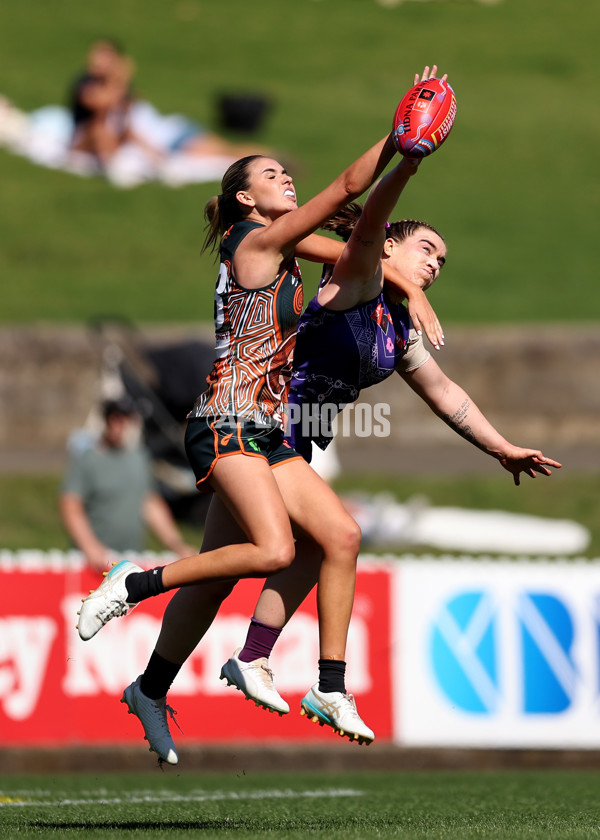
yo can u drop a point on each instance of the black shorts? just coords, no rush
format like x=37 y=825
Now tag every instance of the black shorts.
x=209 y=438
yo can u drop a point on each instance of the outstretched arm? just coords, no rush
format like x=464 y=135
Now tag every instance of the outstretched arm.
x=357 y=275
x=359 y=267
x=285 y=232
x=450 y=402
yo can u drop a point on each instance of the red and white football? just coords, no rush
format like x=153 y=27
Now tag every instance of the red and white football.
x=424 y=118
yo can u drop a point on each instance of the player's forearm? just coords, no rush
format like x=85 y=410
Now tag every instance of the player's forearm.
x=403 y=285
x=318 y=248
x=360 y=175
x=385 y=194
x=461 y=414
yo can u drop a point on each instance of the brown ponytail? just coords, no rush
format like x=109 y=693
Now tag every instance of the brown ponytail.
x=344 y=221
x=223 y=210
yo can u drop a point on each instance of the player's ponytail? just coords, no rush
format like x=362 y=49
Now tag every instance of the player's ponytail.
x=344 y=221
x=224 y=210
x=211 y=216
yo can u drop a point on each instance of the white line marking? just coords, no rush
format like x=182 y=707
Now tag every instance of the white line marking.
x=18 y=798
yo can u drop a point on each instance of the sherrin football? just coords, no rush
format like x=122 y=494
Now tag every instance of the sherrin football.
x=424 y=118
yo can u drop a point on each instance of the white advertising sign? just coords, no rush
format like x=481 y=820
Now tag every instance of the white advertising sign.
x=497 y=653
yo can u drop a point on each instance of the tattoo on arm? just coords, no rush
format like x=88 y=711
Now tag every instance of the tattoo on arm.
x=366 y=243
x=457 y=421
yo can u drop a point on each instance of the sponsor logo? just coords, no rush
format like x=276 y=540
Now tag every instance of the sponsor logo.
x=381 y=317
x=25 y=648
x=424 y=100
x=469 y=649
x=95 y=669
x=440 y=133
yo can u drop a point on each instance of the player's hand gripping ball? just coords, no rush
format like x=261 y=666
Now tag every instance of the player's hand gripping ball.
x=424 y=118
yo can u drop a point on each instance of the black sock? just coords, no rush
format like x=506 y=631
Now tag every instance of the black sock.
x=142 y=585
x=331 y=675
x=158 y=676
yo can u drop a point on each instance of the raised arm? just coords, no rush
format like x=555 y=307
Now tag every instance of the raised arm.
x=450 y=402
x=285 y=232
x=360 y=264
x=358 y=276
x=263 y=248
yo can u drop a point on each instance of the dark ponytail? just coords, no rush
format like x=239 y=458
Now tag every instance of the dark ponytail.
x=344 y=221
x=224 y=210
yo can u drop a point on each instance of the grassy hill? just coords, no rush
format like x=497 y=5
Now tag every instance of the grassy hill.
x=514 y=189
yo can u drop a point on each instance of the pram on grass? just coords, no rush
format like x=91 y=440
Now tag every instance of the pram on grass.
x=162 y=377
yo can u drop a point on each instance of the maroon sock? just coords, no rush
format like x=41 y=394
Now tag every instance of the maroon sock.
x=260 y=641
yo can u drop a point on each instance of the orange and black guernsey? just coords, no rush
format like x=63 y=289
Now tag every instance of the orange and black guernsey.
x=255 y=337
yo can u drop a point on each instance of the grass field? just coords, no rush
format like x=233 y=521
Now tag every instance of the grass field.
x=29 y=506
x=511 y=189
x=453 y=806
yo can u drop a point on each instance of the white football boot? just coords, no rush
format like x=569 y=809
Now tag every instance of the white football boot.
x=153 y=717
x=337 y=710
x=106 y=602
x=255 y=680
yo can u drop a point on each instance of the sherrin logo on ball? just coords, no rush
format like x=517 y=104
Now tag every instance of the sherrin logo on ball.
x=424 y=118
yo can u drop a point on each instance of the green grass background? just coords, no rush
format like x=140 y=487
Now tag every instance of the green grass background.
x=29 y=505
x=514 y=189
x=496 y=805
